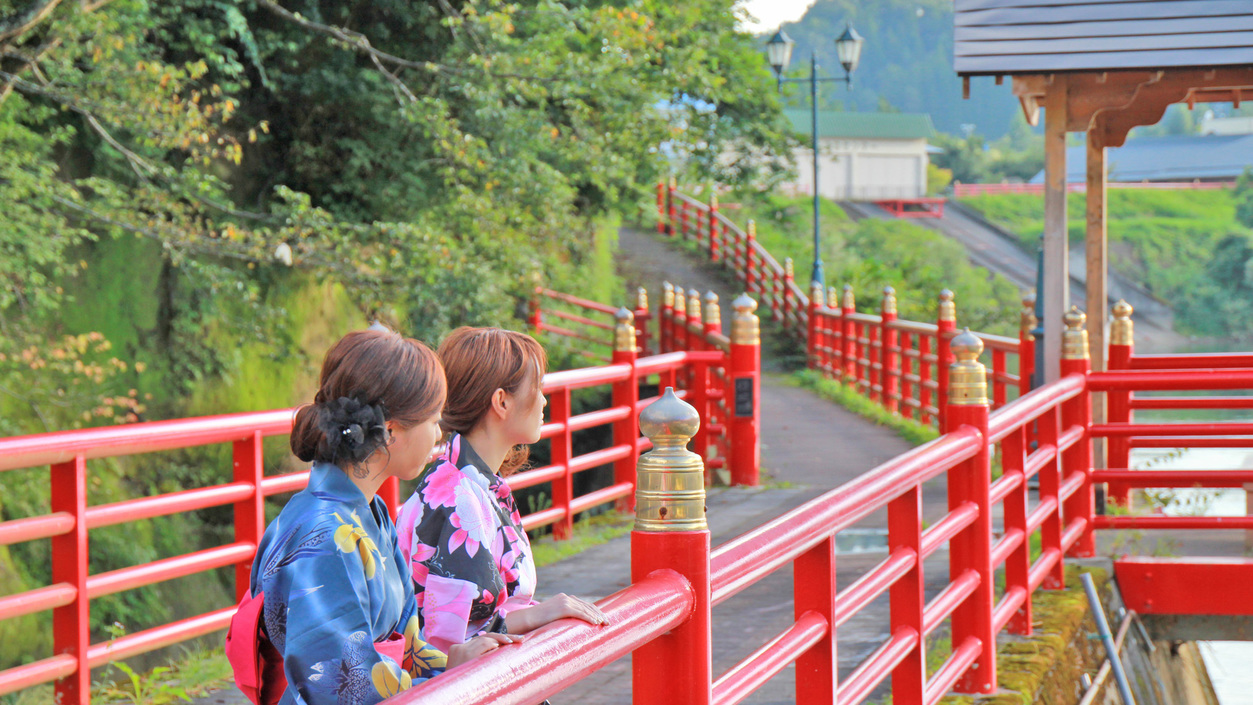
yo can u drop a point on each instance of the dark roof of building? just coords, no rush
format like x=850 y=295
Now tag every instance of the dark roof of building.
x=1178 y=158
x=887 y=126
x=1036 y=36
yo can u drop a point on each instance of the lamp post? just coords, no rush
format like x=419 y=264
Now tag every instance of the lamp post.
x=779 y=52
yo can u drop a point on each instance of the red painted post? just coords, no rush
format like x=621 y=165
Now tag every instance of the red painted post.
x=971 y=550
x=562 y=452
x=671 y=534
x=1078 y=411
x=1026 y=343
x=642 y=317
x=745 y=406
x=831 y=335
x=848 y=337
x=906 y=367
x=889 y=361
x=665 y=324
x=813 y=334
x=813 y=580
x=1018 y=564
x=250 y=512
x=683 y=219
x=946 y=323
x=71 y=624
x=625 y=394
x=715 y=252
x=909 y=678
x=924 y=378
x=750 y=270
x=785 y=289
x=389 y=492
x=712 y=317
x=998 y=378
x=537 y=317
x=1121 y=348
x=670 y=206
x=661 y=208
x=1050 y=478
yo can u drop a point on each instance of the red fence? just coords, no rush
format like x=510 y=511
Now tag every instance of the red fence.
x=961 y=190
x=901 y=364
x=71 y=518
x=591 y=323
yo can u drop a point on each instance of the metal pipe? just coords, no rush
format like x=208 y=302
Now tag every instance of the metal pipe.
x=1102 y=627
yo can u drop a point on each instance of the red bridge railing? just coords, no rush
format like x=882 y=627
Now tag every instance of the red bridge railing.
x=71 y=518
x=900 y=364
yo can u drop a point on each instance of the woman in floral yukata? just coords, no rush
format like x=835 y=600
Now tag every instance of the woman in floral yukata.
x=470 y=557
x=337 y=592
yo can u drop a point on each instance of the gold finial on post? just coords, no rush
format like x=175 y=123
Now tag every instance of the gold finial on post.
x=670 y=480
x=816 y=294
x=1029 y=321
x=889 y=300
x=624 y=331
x=833 y=297
x=713 y=312
x=948 y=309
x=751 y=226
x=745 y=328
x=674 y=182
x=693 y=305
x=641 y=299
x=849 y=301
x=680 y=303
x=787 y=268
x=667 y=294
x=968 y=378
x=1121 y=329
x=713 y=200
x=1075 y=337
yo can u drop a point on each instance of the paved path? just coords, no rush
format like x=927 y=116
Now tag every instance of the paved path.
x=809 y=446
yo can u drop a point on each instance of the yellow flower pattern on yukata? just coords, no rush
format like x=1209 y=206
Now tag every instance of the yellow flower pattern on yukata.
x=424 y=657
x=353 y=537
x=389 y=679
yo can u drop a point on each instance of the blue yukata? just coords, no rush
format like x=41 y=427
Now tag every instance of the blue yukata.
x=335 y=584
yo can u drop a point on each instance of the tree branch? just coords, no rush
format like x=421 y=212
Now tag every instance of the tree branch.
x=23 y=20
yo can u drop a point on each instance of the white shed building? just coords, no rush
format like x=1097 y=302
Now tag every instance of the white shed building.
x=863 y=156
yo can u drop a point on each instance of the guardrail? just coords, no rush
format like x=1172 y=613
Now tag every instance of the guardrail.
x=679 y=578
x=71 y=519
x=589 y=322
x=961 y=190
x=901 y=364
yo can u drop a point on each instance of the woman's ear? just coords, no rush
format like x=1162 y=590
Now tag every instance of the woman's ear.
x=500 y=402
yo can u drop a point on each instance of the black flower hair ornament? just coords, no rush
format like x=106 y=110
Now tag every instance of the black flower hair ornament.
x=353 y=430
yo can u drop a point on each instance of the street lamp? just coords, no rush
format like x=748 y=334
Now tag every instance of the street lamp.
x=779 y=53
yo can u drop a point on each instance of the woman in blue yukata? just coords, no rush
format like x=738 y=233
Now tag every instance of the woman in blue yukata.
x=339 y=607
x=460 y=531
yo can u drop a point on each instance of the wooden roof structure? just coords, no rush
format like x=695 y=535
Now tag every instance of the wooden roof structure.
x=1100 y=67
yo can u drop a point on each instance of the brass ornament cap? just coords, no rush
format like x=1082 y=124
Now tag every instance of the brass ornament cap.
x=787 y=268
x=745 y=328
x=693 y=305
x=713 y=201
x=1122 y=329
x=1028 y=320
x=833 y=297
x=816 y=297
x=680 y=303
x=641 y=299
x=889 y=300
x=849 y=301
x=674 y=183
x=968 y=378
x=624 y=331
x=1075 y=337
x=948 y=309
x=713 y=312
x=667 y=294
x=752 y=229
x=670 y=480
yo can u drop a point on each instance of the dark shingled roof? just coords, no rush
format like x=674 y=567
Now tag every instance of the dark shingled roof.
x=1037 y=36
x=888 y=126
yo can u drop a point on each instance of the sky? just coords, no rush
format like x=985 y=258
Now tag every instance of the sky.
x=771 y=13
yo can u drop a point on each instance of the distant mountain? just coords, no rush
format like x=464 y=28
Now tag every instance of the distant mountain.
x=906 y=63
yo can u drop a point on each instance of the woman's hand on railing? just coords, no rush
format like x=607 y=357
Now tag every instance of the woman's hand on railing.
x=479 y=645
x=559 y=606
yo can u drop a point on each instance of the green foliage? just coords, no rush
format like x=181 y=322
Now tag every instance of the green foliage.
x=938 y=179
x=872 y=254
x=1187 y=247
x=1017 y=156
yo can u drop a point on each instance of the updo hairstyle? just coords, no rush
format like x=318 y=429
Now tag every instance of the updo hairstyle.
x=477 y=362
x=368 y=377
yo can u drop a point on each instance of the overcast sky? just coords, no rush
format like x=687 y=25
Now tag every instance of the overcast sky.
x=770 y=14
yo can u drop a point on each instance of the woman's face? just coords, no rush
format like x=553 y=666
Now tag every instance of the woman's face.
x=526 y=412
x=411 y=447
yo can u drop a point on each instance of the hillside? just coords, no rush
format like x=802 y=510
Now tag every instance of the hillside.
x=1186 y=247
x=907 y=63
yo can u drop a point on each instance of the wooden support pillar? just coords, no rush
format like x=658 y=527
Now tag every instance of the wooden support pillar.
x=1096 y=246
x=1056 y=262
